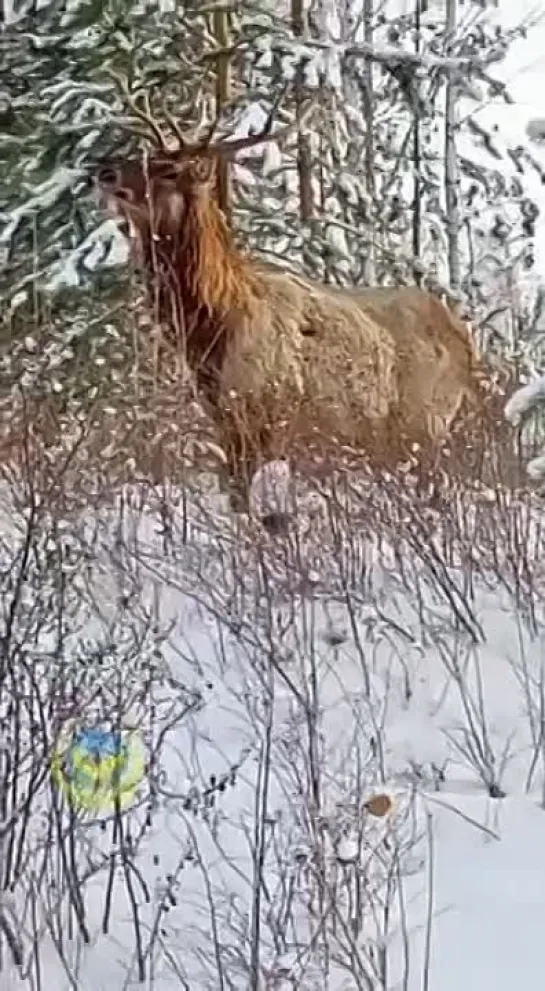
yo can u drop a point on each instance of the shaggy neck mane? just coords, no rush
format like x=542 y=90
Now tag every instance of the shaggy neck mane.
x=214 y=270
x=199 y=279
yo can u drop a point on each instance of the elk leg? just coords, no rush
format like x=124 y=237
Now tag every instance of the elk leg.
x=242 y=462
x=245 y=450
x=231 y=484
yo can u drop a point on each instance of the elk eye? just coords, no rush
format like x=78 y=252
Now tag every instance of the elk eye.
x=107 y=176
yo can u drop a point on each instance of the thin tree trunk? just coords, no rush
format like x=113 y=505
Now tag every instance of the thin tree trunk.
x=452 y=180
x=328 y=101
x=322 y=193
x=417 y=158
x=370 y=185
x=223 y=96
x=304 y=165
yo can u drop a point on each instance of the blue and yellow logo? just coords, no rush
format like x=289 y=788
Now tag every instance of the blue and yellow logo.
x=99 y=769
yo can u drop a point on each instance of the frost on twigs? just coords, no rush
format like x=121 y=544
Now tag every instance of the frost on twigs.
x=523 y=402
x=348 y=849
x=379 y=806
x=68 y=662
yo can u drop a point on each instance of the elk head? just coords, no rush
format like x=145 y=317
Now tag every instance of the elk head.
x=154 y=191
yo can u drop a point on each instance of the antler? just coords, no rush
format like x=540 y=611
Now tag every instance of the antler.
x=185 y=141
x=203 y=144
x=266 y=134
x=144 y=113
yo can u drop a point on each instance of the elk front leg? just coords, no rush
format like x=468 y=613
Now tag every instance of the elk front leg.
x=242 y=461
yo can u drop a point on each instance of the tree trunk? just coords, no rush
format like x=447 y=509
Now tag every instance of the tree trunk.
x=368 y=108
x=417 y=179
x=223 y=96
x=304 y=166
x=452 y=179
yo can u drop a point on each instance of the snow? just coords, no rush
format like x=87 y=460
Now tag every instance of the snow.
x=518 y=408
x=105 y=246
x=42 y=198
x=489 y=896
x=424 y=679
x=536 y=468
x=524 y=400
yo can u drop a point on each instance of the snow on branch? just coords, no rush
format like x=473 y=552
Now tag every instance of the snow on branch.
x=535 y=130
x=392 y=55
x=524 y=400
x=388 y=55
x=536 y=467
x=519 y=406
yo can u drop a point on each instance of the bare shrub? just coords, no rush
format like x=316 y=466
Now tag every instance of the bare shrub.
x=263 y=669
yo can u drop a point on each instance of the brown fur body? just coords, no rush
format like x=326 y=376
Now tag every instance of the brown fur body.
x=439 y=370
x=282 y=361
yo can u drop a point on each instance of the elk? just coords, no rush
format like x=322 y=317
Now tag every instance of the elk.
x=282 y=361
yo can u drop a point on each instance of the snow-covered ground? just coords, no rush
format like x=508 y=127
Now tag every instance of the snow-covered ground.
x=280 y=683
